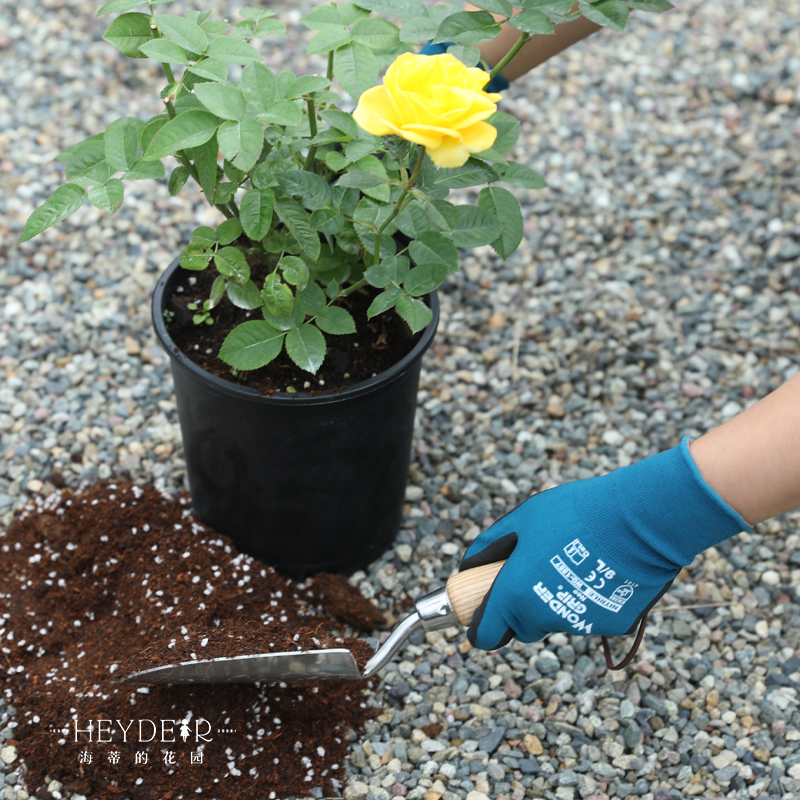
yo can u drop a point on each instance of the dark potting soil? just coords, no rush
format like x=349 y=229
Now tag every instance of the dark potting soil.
x=116 y=577
x=377 y=344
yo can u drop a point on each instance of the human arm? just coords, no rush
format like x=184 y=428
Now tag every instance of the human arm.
x=593 y=556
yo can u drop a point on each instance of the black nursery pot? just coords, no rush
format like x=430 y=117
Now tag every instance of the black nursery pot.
x=304 y=483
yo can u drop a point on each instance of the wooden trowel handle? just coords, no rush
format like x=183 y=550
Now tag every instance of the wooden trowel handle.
x=467 y=589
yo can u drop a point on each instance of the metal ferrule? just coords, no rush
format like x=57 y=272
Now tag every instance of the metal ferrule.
x=433 y=613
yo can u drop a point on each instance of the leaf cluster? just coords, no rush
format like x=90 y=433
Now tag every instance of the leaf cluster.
x=326 y=206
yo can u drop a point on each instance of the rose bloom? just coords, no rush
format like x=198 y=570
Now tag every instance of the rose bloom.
x=434 y=101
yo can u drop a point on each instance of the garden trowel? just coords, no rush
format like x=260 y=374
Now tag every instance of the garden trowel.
x=443 y=608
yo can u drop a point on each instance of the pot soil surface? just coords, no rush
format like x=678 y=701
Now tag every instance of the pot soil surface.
x=116 y=578
x=377 y=344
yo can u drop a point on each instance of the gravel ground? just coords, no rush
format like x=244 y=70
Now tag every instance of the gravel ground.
x=655 y=295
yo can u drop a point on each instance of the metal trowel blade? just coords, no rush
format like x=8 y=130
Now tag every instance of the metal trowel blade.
x=308 y=665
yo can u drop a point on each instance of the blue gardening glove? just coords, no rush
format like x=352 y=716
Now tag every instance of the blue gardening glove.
x=497 y=84
x=593 y=556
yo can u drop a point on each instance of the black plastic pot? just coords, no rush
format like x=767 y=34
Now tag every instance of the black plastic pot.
x=306 y=484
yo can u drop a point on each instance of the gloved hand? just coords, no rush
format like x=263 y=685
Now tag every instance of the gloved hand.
x=593 y=556
x=497 y=84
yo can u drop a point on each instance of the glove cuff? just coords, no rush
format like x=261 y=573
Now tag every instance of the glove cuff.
x=662 y=510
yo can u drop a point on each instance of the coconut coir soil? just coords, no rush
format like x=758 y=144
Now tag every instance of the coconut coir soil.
x=377 y=344
x=115 y=578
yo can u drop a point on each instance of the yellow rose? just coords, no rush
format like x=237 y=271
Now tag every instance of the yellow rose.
x=434 y=101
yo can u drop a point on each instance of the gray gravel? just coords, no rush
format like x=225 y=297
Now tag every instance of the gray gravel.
x=655 y=295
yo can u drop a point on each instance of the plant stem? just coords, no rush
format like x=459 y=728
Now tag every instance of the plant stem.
x=330 y=65
x=399 y=204
x=312 y=123
x=350 y=289
x=523 y=37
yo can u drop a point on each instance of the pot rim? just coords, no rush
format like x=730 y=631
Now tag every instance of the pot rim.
x=284 y=398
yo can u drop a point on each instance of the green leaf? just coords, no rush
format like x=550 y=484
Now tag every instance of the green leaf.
x=532 y=21
x=507 y=131
x=251 y=345
x=84 y=157
x=294 y=271
x=399 y=9
x=413 y=220
x=128 y=32
x=282 y=112
x=336 y=321
x=150 y=129
x=58 y=206
x=376 y=33
x=232 y=51
x=277 y=296
x=425 y=278
x=306 y=347
x=322 y=17
x=355 y=68
x=225 y=192
x=229 y=231
x=269 y=27
x=657 y=6
x=340 y=120
x=195 y=261
x=306 y=84
x=502 y=205
x=312 y=298
x=355 y=179
x=520 y=175
x=443 y=214
x=204 y=158
x=96 y=175
x=474 y=172
x=419 y=29
x=190 y=129
x=117 y=6
x=433 y=247
x=467 y=54
x=295 y=218
x=177 y=179
x=391 y=268
x=611 y=14
x=218 y=290
x=495 y=6
x=222 y=99
x=165 y=51
x=241 y=142
x=203 y=237
x=183 y=32
x=145 y=170
x=211 y=68
x=255 y=213
x=245 y=296
x=259 y=86
x=327 y=220
x=121 y=146
x=256 y=14
x=384 y=301
x=414 y=312
x=232 y=264
x=476 y=227
x=467 y=27
x=329 y=39
x=66 y=155
x=313 y=190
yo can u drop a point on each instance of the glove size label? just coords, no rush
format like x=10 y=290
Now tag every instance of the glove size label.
x=570 y=606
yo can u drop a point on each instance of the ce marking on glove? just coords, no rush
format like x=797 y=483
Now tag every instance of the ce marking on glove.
x=597 y=577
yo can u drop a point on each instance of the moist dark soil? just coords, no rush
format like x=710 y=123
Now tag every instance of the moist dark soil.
x=115 y=578
x=377 y=344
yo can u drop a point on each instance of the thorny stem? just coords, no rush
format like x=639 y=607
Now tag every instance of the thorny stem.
x=399 y=206
x=508 y=56
x=312 y=123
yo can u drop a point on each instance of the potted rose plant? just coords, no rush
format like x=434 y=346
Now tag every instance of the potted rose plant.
x=329 y=222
